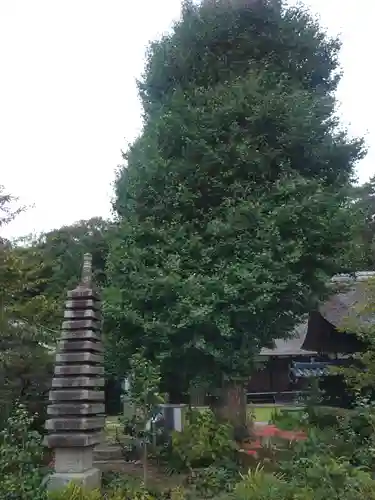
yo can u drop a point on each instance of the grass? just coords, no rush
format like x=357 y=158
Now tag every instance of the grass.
x=262 y=413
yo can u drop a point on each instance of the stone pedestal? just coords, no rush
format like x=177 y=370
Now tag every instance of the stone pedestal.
x=76 y=409
x=89 y=479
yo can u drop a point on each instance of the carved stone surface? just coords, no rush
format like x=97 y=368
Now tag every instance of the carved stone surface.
x=69 y=409
x=80 y=335
x=76 y=408
x=76 y=395
x=65 y=358
x=87 y=382
x=79 y=370
x=75 y=423
x=80 y=345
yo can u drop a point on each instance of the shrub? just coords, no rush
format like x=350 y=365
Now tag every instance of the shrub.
x=317 y=478
x=289 y=420
x=343 y=433
x=203 y=442
x=211 y=481
x=324 y=416
x=74 y=492
x=124 y=491
x=21 y=457
x=258 y=485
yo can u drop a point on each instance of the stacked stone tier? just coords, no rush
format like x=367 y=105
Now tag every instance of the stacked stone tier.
x=76 y=400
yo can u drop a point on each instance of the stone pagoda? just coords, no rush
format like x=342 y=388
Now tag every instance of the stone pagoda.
x=76 y=401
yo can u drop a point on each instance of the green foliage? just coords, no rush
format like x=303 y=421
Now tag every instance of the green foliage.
x=203 y=441
x=129 y=485
x=9 y=207
x=230 y=39
x=55 y=259
x=362 y=252
x=258 y=485
x=21 y=456
x=360 y=375
x=122 y=489
x=25 y=365
x=213 y=480
x=318 y=478
x=289 y=420
x=25 y=372
x=35 y=276
x=144 y=379
x=234 y=201
x=74 y=492
x=63 y=251
x=323 y=417
x=346 y=433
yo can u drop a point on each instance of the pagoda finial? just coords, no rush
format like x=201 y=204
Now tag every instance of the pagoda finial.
x=86 y=279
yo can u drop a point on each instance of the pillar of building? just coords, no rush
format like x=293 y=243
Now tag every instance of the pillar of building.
x=76 y=401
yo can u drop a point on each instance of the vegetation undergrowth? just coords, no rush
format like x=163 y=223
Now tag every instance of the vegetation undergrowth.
x=21 y=458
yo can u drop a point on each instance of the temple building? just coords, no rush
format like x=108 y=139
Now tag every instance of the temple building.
x=317 y=343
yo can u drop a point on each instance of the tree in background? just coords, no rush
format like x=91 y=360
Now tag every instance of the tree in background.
x=9 y=207
x=360 y=375
x=54 y=260
x=63 y=250
x=363 y=202
x=233 y=203
x=25 y=364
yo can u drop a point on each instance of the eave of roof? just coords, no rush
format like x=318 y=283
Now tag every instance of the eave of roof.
x=293 y=345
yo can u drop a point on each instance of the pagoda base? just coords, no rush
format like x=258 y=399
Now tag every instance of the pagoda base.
x=88 y=480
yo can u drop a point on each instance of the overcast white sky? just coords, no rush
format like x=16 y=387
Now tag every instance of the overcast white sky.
x=68 y=100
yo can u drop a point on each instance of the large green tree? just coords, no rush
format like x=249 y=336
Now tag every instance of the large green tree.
x=364 y=204
x=54 y=263
x=233 y=203
x=25 y=363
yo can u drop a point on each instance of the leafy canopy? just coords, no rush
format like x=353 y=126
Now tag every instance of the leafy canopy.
x=233 y=203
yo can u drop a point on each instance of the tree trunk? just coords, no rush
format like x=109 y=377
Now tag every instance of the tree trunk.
x=231 y=407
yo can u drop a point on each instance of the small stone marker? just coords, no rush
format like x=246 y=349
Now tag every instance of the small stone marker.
x=76 y=400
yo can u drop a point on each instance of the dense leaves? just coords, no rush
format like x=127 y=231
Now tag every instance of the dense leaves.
x=233 y=205
x=363 y=252
x=21 y=457
x=9 y=207
x=52 y=265
x=25 y=363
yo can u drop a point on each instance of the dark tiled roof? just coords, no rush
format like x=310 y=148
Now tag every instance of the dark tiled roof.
x=352 y=296
x=351 y=292
x=291 y=346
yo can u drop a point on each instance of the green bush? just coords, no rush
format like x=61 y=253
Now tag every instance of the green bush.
x=318 y=478
x=74 y=492
x=289 y=420
x=124 y=491
x=258 y=485
x=211 y=481
x=25 y=373
x=21 y=458
x=324 y=416
x=344 y=433
x=204 y=441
